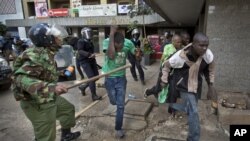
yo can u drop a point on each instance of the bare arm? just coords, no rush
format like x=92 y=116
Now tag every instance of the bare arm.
x=111 y=48
x=209 y=73
x=165 y=71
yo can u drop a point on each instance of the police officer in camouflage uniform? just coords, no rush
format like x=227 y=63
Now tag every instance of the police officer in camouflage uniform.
x=36 y=87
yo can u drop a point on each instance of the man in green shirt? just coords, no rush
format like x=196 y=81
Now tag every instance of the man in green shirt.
x=169 y=50
x=117 y=49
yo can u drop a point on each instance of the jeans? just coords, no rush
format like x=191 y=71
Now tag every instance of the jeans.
x=189 y=105
x=116 y=89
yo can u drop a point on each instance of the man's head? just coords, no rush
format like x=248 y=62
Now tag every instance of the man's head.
x=168 y=35
x=45 y=35
x=176 y=41
x=118 y=40
x=185 y=38
x=135 y=34
x=200 y=43
x=87 y=33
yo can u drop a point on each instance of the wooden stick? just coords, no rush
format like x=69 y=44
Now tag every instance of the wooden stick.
x=99 y=76
x=58 y=127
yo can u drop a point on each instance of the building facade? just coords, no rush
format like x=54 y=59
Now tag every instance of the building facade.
x=76 y=14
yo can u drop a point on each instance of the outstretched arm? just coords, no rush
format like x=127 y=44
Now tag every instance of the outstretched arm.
x=111 y=48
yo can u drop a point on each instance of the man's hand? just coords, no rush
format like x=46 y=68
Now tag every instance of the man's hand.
x=60 y=89
x=113 y=29
x=163 y=84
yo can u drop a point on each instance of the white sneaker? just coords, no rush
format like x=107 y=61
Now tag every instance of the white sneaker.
x=120 y=134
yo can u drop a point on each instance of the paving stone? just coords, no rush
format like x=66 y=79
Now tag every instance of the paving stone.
x=138 y=108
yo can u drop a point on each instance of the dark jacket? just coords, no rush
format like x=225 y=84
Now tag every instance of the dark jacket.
x=188 y=72
x=8 y=44
x=137 y=44
x=85 y=49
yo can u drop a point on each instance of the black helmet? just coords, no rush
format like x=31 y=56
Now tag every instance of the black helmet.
x=86 y=33
x=43 y=35
x=135 y=33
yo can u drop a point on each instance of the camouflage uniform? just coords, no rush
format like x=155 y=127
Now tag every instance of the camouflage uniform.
x=35 y=78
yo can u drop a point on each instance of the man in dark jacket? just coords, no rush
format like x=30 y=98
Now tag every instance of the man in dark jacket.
x=189 y=65
x=87 y=60
x=135 y=59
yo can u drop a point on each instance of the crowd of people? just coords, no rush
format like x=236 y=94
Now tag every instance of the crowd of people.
x=12 y=46
x=36 y=87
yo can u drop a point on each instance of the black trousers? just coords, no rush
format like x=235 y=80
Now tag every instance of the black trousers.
x=91 y=70
x=172 y=93
x=135 y=63
x=157 y=87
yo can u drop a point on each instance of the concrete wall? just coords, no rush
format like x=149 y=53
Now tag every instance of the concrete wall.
x=228 y=27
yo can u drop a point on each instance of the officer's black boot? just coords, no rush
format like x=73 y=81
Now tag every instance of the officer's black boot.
x=67 y=135
x=96 y=97
x=83 y=88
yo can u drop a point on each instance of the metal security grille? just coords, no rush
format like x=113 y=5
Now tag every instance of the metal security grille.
x=7 y=7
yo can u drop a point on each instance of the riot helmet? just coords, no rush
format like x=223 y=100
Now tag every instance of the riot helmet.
x=135 y=34
x=45 y=35
x=86 y=33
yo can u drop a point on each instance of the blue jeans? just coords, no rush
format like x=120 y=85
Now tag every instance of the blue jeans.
x=116 y=89
x=189 y=105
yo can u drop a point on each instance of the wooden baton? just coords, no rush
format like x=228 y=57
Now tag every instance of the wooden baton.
x=99 y=76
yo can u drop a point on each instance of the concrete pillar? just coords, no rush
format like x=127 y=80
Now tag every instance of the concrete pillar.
x=75 y=32
x=101 y=38
x=22 y=32
x=49 y=4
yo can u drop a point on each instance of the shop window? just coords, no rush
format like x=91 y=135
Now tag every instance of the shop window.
x=91 y=2
x=31 y=9
x=59 y=4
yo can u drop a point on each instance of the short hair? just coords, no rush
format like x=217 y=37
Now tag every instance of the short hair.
x=118 y=37
x=200 y=37
x=176 y=36
x=184 y=33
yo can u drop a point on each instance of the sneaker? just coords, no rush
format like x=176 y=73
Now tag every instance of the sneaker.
x=82 y=88
x=120 y=134
x=143 y=82
x=96 y=97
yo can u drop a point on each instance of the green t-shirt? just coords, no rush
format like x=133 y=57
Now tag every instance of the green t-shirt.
x=120 y=58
